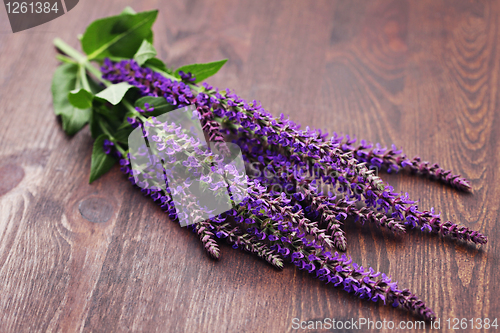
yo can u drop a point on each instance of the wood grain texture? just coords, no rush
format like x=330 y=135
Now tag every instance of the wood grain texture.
x=421 y=74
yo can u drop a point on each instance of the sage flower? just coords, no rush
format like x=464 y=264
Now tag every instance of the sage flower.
x=301 y=146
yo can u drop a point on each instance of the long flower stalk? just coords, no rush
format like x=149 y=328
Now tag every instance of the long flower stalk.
x=393 y=160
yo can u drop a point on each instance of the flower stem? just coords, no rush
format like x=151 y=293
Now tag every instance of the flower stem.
x=83 y=78
x=66 y=59
x=79 y=58
x=70 y=51
x=112 y=139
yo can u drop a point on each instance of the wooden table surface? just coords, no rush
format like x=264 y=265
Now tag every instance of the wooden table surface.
x=103 y=258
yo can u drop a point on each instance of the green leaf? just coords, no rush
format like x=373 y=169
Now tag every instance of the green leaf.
x=64 y=81
x=101 y=163
x=114 y=93
x=146 y=51
x=107 y=117
x=202 y=71
x=80 y=98
x=157 y=64
x=118 y=36
x=159 y=104
x=122 y=135
x=95 y=129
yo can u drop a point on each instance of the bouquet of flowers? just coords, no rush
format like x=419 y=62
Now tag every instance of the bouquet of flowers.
x=301 y=185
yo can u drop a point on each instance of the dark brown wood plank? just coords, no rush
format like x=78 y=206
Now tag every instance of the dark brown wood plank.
x=101 y=257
